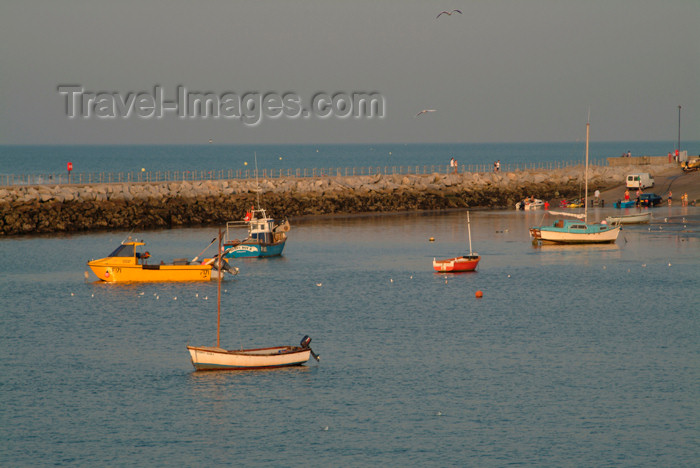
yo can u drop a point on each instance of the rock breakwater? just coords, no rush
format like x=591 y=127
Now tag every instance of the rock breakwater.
x=73 y=208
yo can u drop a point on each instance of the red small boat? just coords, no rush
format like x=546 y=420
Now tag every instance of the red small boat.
x=459 y=264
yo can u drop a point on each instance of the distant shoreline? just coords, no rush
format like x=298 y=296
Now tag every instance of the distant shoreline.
x=100 y=207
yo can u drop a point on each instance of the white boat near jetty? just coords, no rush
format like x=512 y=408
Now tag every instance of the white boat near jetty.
x=530 y=204
x=635 y=218
x=564 y=231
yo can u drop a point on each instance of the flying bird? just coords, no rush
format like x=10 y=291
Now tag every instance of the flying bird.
x=448 y=13
x=425 y=111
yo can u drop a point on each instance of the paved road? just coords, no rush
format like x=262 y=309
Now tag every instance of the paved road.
x=674 y=179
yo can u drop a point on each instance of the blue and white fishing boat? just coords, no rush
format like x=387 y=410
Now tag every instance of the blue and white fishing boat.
x=565 y=231
x=625 y=203
x=266 y=236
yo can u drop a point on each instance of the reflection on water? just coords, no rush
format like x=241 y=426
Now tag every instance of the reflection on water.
x=585 y=353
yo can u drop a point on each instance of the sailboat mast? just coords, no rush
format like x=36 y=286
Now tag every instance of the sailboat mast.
x=585 y=193
x=218 y=292
x=469 y=230
x=257 y=185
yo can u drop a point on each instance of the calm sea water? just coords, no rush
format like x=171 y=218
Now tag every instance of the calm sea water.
x=128 y=158
x=575 y=356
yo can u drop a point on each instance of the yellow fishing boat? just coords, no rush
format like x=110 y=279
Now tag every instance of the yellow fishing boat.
x=127 y=263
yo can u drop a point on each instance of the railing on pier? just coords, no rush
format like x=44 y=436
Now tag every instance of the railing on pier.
x=243 y=174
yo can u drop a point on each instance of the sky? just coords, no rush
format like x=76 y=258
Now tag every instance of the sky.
x=501 y=71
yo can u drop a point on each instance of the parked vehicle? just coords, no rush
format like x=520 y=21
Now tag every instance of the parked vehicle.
x=641 y=180
x=690 y=166
x=649 y=199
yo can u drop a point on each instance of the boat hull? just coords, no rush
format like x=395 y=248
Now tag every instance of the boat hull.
x=625 y=204
x=246 y=249
x=457 y=264
x=553 y=235
x=211 y=358
x=638 y=218
x=114 y=273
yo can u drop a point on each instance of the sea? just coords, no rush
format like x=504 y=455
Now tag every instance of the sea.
x=51 y=159
x=574 y=356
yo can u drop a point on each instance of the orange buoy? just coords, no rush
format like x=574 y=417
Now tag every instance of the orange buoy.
x=479 y=294
x=432 y=239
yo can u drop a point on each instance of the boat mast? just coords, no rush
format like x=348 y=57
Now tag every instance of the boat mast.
x=218 y=292
x=469 y=229
x=257 y=185
x=585 y=196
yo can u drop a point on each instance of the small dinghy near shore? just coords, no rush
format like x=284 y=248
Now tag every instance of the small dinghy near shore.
x=636 y=218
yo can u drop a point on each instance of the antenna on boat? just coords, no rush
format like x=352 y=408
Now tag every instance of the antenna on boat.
x=257 y=185
x=128 y=235
x=469 y=229
x=218 y=292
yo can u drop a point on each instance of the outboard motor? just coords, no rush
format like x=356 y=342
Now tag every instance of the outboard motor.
x=305 y=344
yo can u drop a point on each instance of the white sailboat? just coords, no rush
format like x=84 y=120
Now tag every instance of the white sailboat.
x=565 y=231
x=217 y=358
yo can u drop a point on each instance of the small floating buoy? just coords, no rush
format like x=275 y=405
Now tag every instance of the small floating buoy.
x=74 y=294
x=391 y=280
x=319 y=284
x=87 y=276
x=479 y=294
x=432 y=239
x=508 y=276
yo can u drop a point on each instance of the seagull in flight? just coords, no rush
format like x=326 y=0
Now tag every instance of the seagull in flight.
x=448 y=13
x=424 y=111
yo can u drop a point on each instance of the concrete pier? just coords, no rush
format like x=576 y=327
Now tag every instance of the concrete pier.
x=73 y=208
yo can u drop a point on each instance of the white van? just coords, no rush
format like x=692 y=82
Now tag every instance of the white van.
x=641 y=180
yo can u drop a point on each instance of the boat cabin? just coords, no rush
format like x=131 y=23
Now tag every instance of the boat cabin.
x=261 y=230
x=128 y=249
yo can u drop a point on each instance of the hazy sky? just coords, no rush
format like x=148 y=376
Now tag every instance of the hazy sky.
x=503 y=71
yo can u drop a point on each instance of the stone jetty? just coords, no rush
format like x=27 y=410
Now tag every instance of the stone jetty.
x=74 y=208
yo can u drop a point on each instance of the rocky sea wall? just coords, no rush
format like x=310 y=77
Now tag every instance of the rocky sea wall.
x=73 y=208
